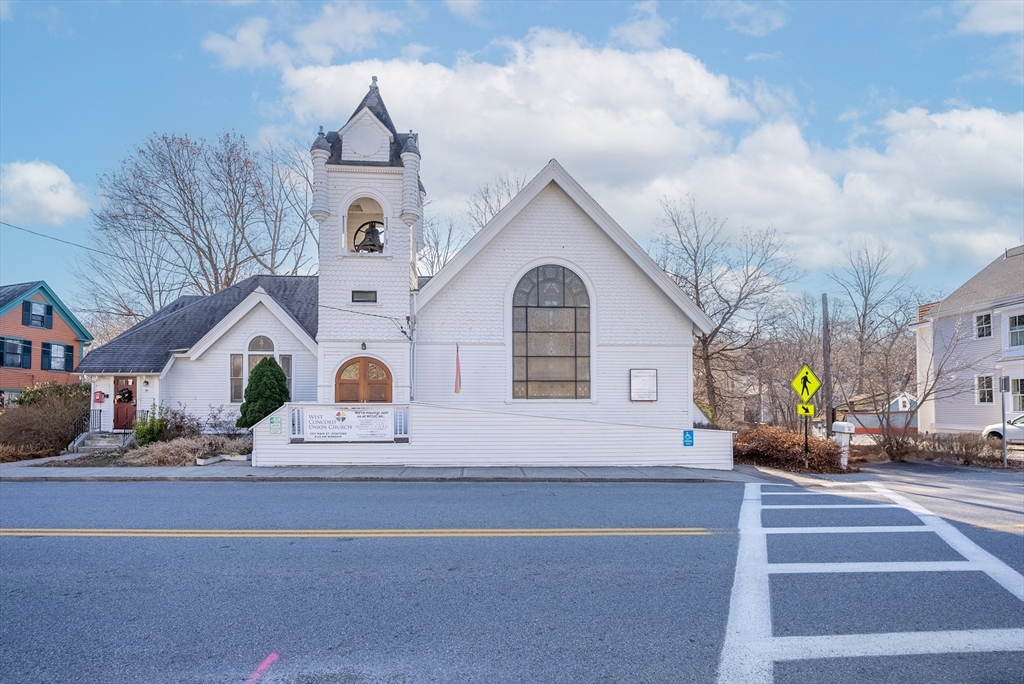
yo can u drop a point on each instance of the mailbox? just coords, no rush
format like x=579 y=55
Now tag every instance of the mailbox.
x=843 y=428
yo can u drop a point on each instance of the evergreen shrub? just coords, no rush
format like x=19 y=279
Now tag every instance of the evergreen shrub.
x=266 y=392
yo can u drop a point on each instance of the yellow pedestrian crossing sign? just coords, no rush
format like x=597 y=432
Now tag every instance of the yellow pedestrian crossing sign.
x=805 y=410
x=805 y=383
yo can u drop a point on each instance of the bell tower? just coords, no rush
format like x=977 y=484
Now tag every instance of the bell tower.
x=368 y=200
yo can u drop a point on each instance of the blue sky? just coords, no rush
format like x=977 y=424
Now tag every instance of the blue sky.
x=834 y=122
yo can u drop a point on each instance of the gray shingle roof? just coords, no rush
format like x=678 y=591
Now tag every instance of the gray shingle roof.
x=9 y=293
x=1001 y=281
x=146 y=347
x=375 y=103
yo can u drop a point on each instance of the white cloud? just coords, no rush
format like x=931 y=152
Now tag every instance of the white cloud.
x=347 y=27
x=644 y=28
x=763 y=56
x=992 y=17
x=634 y=125
x=38 y=192
x=464 y=9
x=753 y=19
x=246 y=48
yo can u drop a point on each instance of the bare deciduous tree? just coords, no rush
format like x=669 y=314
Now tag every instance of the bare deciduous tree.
x=442 y=239
x=873 y=294
x=191 y=216
x=735 y=282
x=489 y=198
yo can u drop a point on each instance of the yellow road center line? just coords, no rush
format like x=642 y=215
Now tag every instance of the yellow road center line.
x=365 y=533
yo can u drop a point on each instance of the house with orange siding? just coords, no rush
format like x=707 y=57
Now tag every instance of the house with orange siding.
x=42 y=341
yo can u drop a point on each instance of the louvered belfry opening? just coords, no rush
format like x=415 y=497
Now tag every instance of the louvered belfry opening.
x=551 y=335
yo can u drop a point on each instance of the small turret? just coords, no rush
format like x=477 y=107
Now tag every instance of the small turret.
x=320 y=151
x=411 y=212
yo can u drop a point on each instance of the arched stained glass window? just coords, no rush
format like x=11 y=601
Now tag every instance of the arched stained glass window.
x=550 y=335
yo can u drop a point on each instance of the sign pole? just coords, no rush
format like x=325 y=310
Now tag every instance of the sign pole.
x=826 y=354
x=805 y=435
x=1004 y=387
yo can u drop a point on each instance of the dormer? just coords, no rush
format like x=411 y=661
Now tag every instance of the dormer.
x=365 y=138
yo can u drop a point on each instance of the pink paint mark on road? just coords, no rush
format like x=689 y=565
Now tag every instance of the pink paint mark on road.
x=267 y=662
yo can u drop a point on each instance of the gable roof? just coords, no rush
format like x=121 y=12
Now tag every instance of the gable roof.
x=1001 y=282
x=13 y=295
x=555 y=173
x=147 y=346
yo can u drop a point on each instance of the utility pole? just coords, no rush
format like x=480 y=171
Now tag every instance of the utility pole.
x=826 y=355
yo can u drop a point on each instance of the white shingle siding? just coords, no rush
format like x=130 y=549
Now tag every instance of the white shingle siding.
x=633 y=324
x=341 y=272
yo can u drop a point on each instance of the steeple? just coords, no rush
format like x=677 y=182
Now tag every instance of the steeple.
x=375 y=103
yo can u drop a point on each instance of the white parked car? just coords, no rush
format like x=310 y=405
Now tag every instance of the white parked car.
x=1014 y=430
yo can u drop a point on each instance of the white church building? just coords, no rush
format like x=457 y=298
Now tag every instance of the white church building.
x=551 y=338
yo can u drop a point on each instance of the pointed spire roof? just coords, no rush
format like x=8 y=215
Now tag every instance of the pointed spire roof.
x=375 y=104
x=321 y=142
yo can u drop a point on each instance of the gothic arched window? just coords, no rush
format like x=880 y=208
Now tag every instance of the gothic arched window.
x=550 y=335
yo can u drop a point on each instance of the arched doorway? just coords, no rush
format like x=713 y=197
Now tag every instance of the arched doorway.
x=363 y=380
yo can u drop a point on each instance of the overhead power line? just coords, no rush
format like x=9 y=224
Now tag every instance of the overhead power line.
x=50 y=237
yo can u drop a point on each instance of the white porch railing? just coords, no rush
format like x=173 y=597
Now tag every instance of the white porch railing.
x=297 y=419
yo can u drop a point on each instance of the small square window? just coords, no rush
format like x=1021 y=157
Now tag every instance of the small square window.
x=983 y=325
x=364 y=296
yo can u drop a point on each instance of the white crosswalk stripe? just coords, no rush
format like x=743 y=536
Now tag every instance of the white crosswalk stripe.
x=750 y=650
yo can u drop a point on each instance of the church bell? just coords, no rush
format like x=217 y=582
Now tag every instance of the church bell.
x=370 y=241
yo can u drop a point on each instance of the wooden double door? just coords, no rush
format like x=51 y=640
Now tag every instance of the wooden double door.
x=363 y=380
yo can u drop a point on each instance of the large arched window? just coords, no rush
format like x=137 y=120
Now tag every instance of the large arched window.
x=550 y=335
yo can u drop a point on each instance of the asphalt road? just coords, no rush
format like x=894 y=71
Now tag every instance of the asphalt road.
x=564 y=598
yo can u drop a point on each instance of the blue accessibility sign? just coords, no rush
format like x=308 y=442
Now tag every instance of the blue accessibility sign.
x=687 y=438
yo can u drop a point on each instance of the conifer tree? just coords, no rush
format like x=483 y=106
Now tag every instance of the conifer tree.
x=266 y=392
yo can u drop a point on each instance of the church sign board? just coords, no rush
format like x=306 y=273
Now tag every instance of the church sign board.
x=343 y=424
x=643 y=384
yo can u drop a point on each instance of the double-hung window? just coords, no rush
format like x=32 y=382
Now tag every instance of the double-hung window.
x=36 y=314
x=985 y=394
x=16 y=353
x=1016 y=324
x=983 y=325
x=56 y=357
x=1017 y=392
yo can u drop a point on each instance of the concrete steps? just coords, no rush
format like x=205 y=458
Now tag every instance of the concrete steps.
x=102 y=441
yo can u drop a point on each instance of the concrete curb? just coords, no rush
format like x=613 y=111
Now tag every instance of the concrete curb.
x=256 y=478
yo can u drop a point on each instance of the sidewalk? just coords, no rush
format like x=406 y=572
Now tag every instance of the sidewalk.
x=228 y=471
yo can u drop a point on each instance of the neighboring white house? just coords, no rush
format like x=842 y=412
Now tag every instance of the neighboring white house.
x=551 y=338
x=976 y=335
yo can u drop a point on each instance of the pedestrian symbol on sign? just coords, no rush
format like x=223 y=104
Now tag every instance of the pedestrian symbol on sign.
x=805 y=383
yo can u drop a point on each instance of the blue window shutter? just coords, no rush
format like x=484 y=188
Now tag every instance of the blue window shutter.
x=44 y=356
x=69 y=358
x=48 y=319
x=26 y=354
x=26 y=312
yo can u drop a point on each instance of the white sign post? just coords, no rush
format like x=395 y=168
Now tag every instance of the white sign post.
x=344 y=424
x=643 y=384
